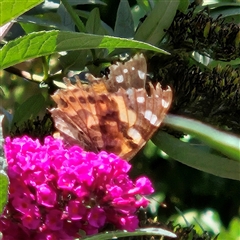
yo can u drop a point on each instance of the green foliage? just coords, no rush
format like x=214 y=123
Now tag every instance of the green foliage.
x=233 y=231
x=227 y=144
x=139 y=232
x=189 y=155
x=160 y=18
x=4 y=180
x=11 y=9
x=124 y=25
x=31 y=107
x=44 y=43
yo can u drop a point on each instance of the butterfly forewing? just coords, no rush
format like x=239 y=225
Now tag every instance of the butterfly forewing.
x=114 y=114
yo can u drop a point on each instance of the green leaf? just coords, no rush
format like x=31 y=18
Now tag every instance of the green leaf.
x=145 y=5
x=216 y=4
x=206 y=220
x=30 y=108
x=226 y=143
x=4 y=181
x=73 y=15
x=183 y=5
x=160 y=18
x=48 y=42
x=227 y=12
x=46 y=21
x=11 y=9
x=214 y=63
x=85 y=14
x=196 y=158
x=93 y=24
x=83 y=2
x=66 y=18
x=137 y=14
x=74 y=60
x=139 y=232
x=124 y=25
x=234 y=229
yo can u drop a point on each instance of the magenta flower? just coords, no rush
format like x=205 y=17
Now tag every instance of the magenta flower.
x=55 y=191
x=54 y=219
x=76 y=210
x=96 y=217
x=45 y=195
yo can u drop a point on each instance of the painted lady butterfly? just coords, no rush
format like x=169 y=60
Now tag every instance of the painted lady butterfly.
x=112 y=113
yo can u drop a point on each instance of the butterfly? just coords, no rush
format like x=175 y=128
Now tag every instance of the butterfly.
x=114 y=113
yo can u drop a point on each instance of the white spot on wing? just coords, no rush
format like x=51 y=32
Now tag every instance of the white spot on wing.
x=134 y=133
x=140 y=99
x=133 y=68
x=125 y=70
x=119 y=78
x=154 y=120
x=129 y=91
x=141 y=74
x=165 y=104
x=148 y=115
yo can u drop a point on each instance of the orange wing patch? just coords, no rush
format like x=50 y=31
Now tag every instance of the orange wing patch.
x=114 y=114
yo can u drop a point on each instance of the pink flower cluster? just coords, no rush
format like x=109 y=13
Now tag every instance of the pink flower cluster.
x=55 y=192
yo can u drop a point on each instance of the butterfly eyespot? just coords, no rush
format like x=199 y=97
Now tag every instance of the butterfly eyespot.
x=63 y=103
x=121 y=115
x=91 y=100
x=72 y=99
x=82 y=100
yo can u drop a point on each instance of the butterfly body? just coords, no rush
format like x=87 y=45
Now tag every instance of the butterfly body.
x=115 y=114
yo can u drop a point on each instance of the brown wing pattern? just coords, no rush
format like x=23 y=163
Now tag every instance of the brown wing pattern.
x=118 y=118
x=131 y=74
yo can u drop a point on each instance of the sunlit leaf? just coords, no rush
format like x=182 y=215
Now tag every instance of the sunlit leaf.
x=4 y=181
x=45 y=43
x=138 y=232
x=11 y=9
x=146 y=5
x=234 y=229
